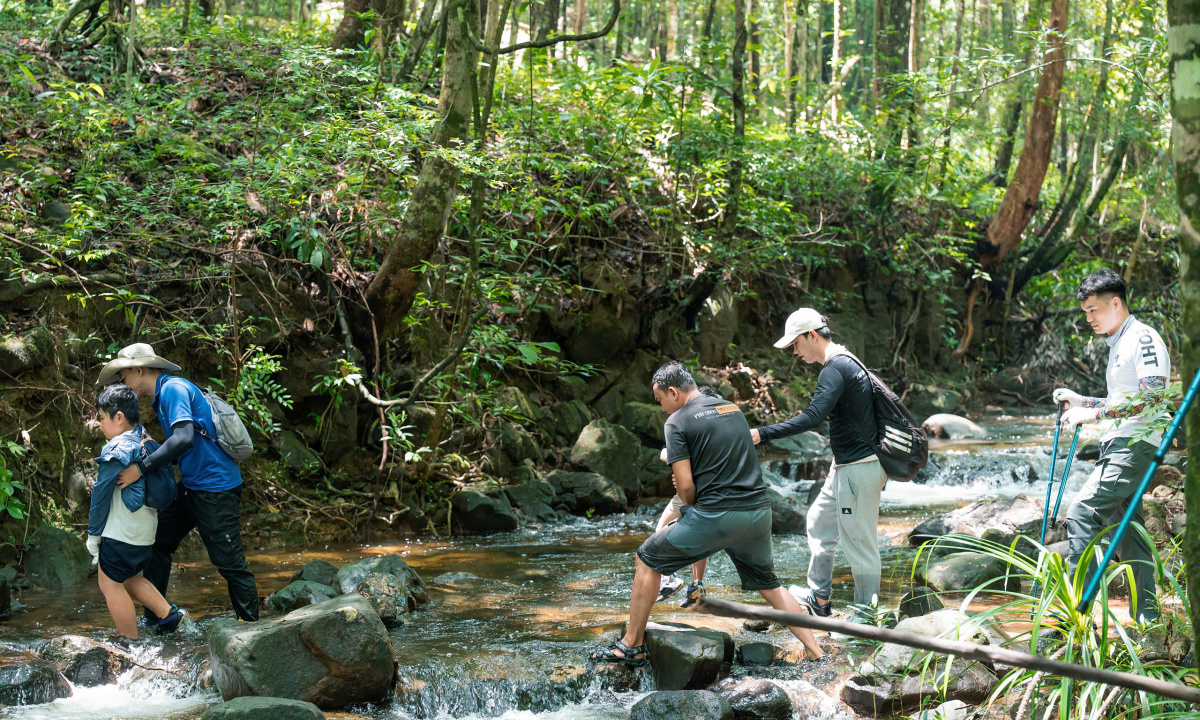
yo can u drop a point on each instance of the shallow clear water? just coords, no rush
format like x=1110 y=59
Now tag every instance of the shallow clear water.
x=510 y=644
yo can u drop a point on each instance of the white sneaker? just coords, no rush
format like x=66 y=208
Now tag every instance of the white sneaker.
x=668 y=587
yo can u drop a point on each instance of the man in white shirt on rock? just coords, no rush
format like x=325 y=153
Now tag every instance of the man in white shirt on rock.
x=1138 y=369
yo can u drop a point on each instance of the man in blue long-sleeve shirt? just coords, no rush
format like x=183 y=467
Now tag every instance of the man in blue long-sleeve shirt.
x=121 y=525
x=847 y=510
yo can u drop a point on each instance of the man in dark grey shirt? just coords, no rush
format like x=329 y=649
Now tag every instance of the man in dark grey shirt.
x=725 y=507
x=847 y=510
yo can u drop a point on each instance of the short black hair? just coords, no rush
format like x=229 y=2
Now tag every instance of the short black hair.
x=708 y=391
x=1102 y=282
x=672 y=374
x=824 y=331
x=120 y=398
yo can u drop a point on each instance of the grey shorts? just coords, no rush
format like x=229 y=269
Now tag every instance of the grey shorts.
x=744 y=535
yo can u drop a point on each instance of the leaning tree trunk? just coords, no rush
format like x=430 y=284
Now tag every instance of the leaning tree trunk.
x=1183 y=19
x=1023 y=193
x=391 y=292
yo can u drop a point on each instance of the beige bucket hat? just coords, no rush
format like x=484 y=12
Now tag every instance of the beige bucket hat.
x=131 y=356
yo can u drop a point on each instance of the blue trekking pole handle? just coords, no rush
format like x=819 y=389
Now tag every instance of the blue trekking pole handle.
x=1093 y=586
x=1050 y=481
x=1062 y=485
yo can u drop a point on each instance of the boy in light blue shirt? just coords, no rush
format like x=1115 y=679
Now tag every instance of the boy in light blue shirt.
x=121 y=526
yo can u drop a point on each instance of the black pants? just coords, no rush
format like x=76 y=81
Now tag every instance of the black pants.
x=216 y=516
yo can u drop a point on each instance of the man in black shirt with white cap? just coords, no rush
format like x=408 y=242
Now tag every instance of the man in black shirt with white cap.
x=847 y=510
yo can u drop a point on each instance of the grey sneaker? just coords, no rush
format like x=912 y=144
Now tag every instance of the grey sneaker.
x=669 y=586
x=807 y=598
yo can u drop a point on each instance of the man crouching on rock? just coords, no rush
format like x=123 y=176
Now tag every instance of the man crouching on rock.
x=725 y=507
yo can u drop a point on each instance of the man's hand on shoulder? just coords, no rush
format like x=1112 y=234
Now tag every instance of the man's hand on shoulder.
x=755 y=436
x=128 y=476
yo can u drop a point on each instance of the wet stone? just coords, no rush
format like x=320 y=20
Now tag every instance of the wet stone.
x=757 y=653
x=756 y=625
x=389 y=596
x=682 y=705
x=86 y=662
x=264 y=708
x=26 y=679
x=755 y=699
x=687 y=658
x=318 y=571
x=300 y=594
x=920 y=601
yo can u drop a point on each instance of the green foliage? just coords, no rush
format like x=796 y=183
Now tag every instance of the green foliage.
x=9 y=502
x=255 y=388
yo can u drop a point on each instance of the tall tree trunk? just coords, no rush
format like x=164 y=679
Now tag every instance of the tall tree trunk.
x=916 y=50
x=837 y=55
x=1183 y=19
x=1021 y=200
x=753 y=10
x=350 y=31
x=738 y=63
x=672 y=29
x=893 y=92
x=420 y=36
x=391 y=292
x=983 y=105
x=709 y=14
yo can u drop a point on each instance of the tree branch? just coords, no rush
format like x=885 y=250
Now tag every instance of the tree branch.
x=534 y=44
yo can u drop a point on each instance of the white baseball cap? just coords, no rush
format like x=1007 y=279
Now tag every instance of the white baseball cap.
x=802 y=321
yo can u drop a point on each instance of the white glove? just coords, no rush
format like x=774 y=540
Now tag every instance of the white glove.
x=93 y=547
x=663 y=455
x=1077 y=416
x=1070 y=397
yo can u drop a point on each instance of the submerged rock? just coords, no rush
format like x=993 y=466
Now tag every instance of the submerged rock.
x=351 y=575
x=26 y=679
x=757 y=653
x=264 y=708
x=332 y=654
x=300 y=594
x=57 y=559
x=86 y=662
x=318 y=571
x=687 y=658
x=682 y=705
x=755 y=699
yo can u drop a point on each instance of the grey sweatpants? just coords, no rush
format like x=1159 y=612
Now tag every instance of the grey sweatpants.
x=847 y=513
x=1102 y=502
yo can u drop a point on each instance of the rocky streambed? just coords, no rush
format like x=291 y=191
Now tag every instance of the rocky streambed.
x=500 y=625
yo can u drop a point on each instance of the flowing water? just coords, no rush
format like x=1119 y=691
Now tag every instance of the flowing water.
x=510 y=643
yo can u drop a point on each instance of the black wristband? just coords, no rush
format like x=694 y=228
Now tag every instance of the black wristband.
x=144 y=466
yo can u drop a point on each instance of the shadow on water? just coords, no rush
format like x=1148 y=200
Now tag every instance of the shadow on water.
x=510 y=639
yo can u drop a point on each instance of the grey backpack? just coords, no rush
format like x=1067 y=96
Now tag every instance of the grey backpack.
x=232 y=435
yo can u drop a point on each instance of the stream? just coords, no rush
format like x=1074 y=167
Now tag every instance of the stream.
x=510 y=642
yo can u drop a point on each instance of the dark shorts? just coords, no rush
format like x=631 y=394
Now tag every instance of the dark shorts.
x=121 y=561
x=744 y=535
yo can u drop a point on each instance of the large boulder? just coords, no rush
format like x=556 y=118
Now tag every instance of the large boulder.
x=515 y=442
x=534 y=499
x=806 y=445
x=19 y=353
x=646 y=420
x=389 y=596
x=686 y=658
x=755 y=699
x=264 y=708
x=479 y=510
x=629 y=383
x=607 y=449
x=26 y=679
x=318 y=571
x=788 y=516
x=86 y=662
x=967 y=571
x=952 y=427
x=602 y=335
x=570 y=418
x=951 y=624
x=301 y=593
x=877 y=694
x=332 y=654
x=1020 y=515
x=682 y=705
x=294 y=453
x=654 y=475
x=926 y=400
x=757 y=653
x=57 y=560
x=581 y=492
x=352 y=574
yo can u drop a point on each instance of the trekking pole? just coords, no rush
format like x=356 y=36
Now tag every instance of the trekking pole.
x=1093 y=585
x=1050 y=481
x=1062 y=485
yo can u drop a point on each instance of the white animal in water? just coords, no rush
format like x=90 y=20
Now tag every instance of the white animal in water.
x=952 y=427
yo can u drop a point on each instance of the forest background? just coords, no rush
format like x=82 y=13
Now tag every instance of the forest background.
x=408 y=239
